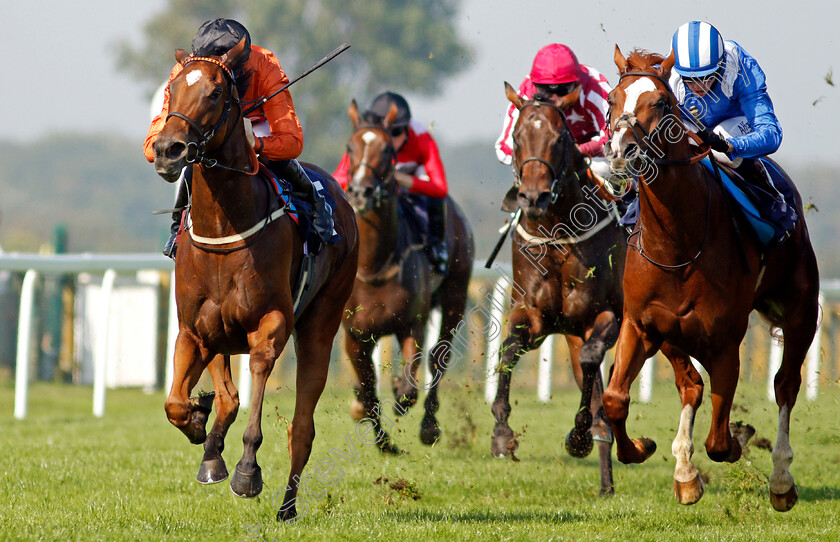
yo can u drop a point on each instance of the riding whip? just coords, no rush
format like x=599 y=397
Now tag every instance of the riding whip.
x=335 y=52
x=504 y=231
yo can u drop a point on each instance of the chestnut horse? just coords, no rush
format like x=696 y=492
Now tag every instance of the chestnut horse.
x=396 y=286
x=234 y=301
x=568 y=256
x=689 y=290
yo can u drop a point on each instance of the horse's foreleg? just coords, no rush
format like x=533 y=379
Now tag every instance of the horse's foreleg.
x=503 y=442
x=213 y=469
x=631 y=352
x=190 y=416
x=267 y=344
x=360 y=354
x=405 y=385
x=601 y=336
x=688 y=486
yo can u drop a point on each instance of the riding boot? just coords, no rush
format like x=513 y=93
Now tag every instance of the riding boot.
x=437 y=234
x=322 y=219
x=182 y=198
x=753 y=171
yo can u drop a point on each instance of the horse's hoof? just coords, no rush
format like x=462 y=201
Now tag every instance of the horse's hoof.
x=357 y=410
x=388 y=447
x=785 y=501
x=606 y=491
x=429 y=434
x=689 y=492
x=646 y=448
x=246 y=485
x=579 y=444
x=503 y=442
x=286 y=514
x=212 y=471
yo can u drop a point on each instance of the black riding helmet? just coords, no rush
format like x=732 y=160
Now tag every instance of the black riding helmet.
x=217 y=37
x=382 y=104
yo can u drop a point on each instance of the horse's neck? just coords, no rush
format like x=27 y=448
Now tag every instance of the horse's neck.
x=379 y=234
x=673 y=207
x=224 y=202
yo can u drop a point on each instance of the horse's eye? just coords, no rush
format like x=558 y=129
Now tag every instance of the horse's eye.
x=661 y=103
x=215 y=94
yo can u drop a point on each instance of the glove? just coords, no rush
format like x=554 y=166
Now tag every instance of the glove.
x=249 y=131
x=716 y=141
x=404 y=179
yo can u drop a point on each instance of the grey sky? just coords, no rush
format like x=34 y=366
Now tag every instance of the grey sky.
x=61 y=75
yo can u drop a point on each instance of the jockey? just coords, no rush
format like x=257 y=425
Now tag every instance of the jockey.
x=723 y=96
x=273 y=130
x=579 y=90
x=418 y=169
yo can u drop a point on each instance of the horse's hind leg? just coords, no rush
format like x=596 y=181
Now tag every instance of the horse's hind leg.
x=723 y=376
x=190 y=416
x=267 y=344
x=360 y=354
x=798 y=334
x=503 y=442
x=688 y=486
x=631 y=352
x=213 y=469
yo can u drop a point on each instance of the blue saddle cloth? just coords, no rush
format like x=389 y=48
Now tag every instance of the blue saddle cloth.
x=770 y=216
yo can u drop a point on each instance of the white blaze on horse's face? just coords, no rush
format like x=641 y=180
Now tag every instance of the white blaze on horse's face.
x=368 y=137
x=193 y=77
x=631 y=98
x=537 y=124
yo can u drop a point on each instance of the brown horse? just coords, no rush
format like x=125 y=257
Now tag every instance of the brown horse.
x=690 y=290
x=234 y=288
x=396 y=287
x=568 y=257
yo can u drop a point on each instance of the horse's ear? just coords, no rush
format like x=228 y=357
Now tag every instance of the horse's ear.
x=181 y=56
x=666 y=65
x=620 y=61
x=389 y=118
x=230 y=58
x=513 y=97
x=353 y=113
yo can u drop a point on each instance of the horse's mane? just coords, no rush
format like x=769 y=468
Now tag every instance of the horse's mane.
x=643 y=60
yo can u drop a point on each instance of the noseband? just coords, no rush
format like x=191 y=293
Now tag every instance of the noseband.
x=557 y=182
x=379 y=195
x=199 y=148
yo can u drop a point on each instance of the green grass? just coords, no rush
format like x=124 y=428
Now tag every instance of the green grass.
x=131 y=476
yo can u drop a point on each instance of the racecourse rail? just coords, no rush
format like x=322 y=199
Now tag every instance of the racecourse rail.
x=31 y=265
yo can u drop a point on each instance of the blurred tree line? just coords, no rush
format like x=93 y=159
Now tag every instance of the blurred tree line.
x=401 y=45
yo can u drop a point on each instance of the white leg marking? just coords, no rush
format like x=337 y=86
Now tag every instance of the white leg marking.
x=683 y=447
x=781 y=480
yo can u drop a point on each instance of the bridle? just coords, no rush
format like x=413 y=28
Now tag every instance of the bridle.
x=384 y=177
x=196 y=150
x=629 y=120
x=557 y=182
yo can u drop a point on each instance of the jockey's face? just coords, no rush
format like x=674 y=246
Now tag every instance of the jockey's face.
x=561 y=95
x=702 y=85
x=399 y=136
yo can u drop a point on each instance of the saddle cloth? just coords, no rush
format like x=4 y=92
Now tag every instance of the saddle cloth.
x=770 y=215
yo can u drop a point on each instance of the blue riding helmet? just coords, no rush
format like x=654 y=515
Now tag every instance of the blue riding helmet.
x=698 y=49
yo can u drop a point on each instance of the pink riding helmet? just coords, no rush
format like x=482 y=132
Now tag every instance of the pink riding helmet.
x=555 y=64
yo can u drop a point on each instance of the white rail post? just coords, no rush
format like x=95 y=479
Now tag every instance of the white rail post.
x=27 y=298
x=773 y=365
x=245 y=380
x=432 y=336
x=494 y=345
x=546 y=361
x=101 y=359
x=377 y=364
x=812 y=378
x=171 y=337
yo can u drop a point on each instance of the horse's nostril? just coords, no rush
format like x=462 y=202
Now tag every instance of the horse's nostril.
x=175 y=150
